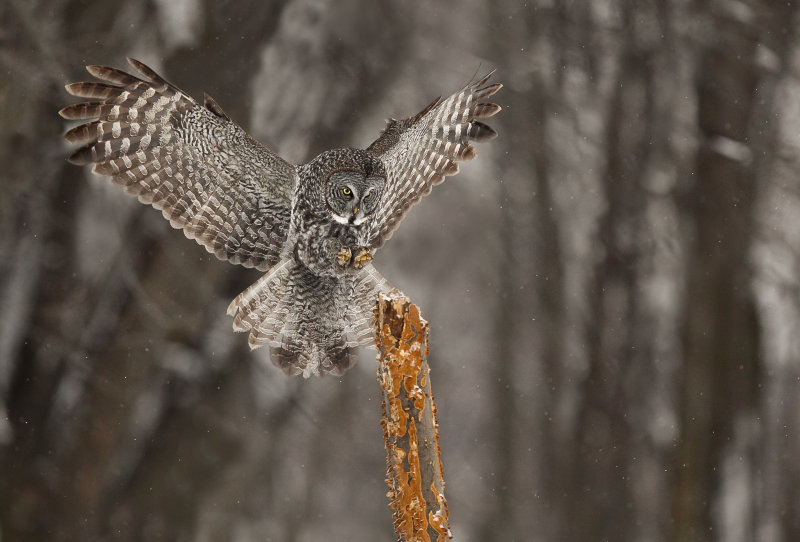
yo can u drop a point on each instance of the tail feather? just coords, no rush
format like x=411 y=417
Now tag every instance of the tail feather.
x=361 y=316
x=252 y=308
x=312 y=324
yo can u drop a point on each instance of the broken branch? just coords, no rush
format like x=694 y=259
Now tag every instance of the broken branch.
x=414 y=466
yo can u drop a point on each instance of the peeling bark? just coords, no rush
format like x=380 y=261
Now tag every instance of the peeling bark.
x=414 y=463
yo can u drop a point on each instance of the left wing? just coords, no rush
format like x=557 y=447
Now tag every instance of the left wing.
x=201 y=170
x=420 y=151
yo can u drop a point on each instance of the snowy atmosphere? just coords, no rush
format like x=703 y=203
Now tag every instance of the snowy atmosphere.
x=612 y=284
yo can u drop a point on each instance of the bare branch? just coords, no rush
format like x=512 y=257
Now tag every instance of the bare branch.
x=414 y=466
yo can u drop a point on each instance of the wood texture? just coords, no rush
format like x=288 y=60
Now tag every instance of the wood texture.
x=414 y=464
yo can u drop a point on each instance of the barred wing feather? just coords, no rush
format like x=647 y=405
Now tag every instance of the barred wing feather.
x=207 y=176
x=420 y=151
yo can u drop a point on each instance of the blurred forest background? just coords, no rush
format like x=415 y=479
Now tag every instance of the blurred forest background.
x=612 y=285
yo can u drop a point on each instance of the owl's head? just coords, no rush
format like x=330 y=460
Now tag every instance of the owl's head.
x=352 y=196
x=352 y=185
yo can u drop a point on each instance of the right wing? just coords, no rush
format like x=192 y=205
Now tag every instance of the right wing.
x=420 y=151
x=206 y=175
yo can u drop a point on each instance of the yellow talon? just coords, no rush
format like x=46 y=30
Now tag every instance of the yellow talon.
x=363 y=257
x=344 y=256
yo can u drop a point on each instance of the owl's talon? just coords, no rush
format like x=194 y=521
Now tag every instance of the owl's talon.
x=363 y=257
x=344 y=257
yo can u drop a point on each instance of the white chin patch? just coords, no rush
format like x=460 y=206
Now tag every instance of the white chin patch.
x=359 y=220
x=340 y=219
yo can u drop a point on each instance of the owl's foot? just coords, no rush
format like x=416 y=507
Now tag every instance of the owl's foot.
x=363 y=257
x=344 y=257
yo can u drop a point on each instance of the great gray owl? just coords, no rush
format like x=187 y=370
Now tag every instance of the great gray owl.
x=313 y=228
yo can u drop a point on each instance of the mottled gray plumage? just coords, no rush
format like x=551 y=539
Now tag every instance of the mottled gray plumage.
x=313 y=228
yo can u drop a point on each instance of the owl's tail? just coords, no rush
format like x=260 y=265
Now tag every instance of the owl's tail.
x=312 y=324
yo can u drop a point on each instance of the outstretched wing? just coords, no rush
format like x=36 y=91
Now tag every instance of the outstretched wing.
x=226 y=190
x=420 y=151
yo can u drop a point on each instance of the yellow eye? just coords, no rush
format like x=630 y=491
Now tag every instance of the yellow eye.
x=346 y=191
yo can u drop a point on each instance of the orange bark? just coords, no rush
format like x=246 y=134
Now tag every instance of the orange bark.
x=414 y=465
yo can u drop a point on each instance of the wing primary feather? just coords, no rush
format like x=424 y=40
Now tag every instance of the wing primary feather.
x=212 y=105
x=147 y=71
x=113 y=75
x=190 y=162
x=92 y=89
x=479 y=131
x=421 y=150
x=485 y=92
x=87 y=110
x=484 y=110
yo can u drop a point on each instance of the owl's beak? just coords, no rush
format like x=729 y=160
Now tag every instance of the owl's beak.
x=355 y=210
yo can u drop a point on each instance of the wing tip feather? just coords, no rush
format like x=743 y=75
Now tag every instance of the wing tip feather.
x=485 y=92
x=97 y=70
x=479 y=131
x=74 y=88
x=79 y=157
x=146 y=70
x=484 y=110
